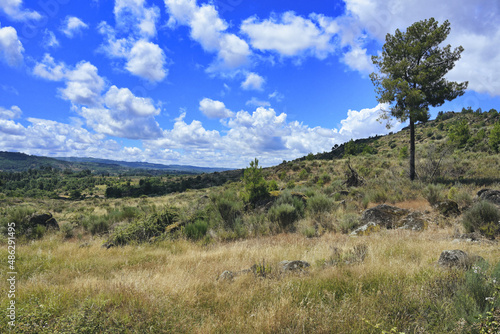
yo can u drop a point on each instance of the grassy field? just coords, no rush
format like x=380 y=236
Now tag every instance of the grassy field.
x=173 y=286
x=163 y=273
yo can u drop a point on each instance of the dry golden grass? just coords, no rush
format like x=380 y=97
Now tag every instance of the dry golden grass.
x=173 y=286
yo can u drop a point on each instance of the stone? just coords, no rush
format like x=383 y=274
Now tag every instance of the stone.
x=453 y=258
x=366 y=229
x=293 y=266
x=414 y=221
x=44 y=219
x=384 y=215
x=489 y=195
x=226 y=276
x=448 y=208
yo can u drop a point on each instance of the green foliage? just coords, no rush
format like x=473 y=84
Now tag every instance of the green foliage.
x=494 y=138
x=272 y=185
x=412 y=67
x=144 y=230
x=67 y=230
x=310 y=157
x=229 y=207
x=319 y=204
x=459 y=133
x=433 y=193
x=303 y=175
x=483 y=217
x=196 y=230
x=287 y=210
x=255 y=184
x=403 y=153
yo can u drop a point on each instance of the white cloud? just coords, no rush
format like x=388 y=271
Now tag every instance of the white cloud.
x=147 y=61
x=253 y=81
x=12 y=113
x=364 y=123
x=83 y=85
x=123 y=101
x=11 y=48
x=214 y=109
x=73 y=25
x=49 y=39
x=10 y=128
x=48 y=69
x=13 y=8
x=208 y=29
x=474 y=25
x=257 y=103
x=133 y=15
x=277 y=96
x=290 y=35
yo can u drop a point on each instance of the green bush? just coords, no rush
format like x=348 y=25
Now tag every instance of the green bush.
x=196 y=230
x=228 y=206
x=459 y=133
x=483 y=217
x=285 y=215
x=319 y=204
x=146 y=229
x=255 y=184
x=494 y=138
x=433 y=193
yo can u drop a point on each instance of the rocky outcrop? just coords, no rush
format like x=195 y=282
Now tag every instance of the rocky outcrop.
x=448 y=208
x=44 y=219
x=458 y=258
x=390 y=217
x=489 y=195
x=293 y=266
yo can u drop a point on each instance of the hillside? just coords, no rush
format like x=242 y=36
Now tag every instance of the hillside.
x=17 y=162
x=292 y=248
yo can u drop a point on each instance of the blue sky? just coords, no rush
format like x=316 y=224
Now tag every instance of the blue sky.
x=214 y=83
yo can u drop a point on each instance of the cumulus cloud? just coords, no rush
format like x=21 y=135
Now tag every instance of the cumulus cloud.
x=11 y=48
x=137 y=24
x=83 y=85
x=474 y=25
x=208 y=29
x=290 y=35
x=12 y=113
x=253 y=81
x=49 y=69
x=147 y=61
x=214 y=109
x=73 y=25
x=13 y=8
x=134 y=16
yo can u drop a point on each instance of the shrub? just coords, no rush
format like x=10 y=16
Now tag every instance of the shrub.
x=403 y=152
x=483 y=217
x=319 y=204
x=285 y=215
x=255 y=184
x=459 y=133
x=349 y=222
x=433 y=193
x=228 y=206
x=68 y=230
x=196 y=230
x=494 y=138
x=146 y=229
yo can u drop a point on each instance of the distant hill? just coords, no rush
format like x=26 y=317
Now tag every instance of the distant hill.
x=16 y=162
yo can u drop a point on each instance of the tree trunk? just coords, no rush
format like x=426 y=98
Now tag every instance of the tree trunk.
x=412 y=149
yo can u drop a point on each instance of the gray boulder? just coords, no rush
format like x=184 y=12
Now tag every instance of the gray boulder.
x=384 y=215
x=458 y=258
x=448 y=208
x=489 y=195
x=293 y=266
x=414 y=221
x=44 y=219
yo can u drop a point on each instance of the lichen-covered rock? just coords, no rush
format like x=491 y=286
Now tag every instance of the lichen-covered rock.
x=384 y=215
x=293 y=266
x=489 y=195
x=226 y=276
x=448 y=208
x=366 y=229
x=415 y=221
x=458 y=258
